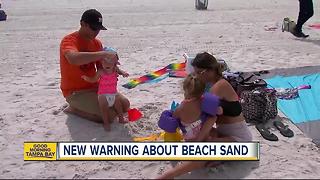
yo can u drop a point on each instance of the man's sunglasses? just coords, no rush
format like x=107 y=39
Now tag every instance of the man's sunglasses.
x=93 y=28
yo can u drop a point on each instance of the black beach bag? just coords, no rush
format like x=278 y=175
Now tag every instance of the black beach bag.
x=246 y=82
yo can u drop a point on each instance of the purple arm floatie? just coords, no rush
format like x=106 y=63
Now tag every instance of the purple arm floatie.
x=167 y=122
x=209 y=106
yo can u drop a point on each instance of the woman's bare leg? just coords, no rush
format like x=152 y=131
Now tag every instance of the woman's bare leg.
x=188 y=166
x=215 y=137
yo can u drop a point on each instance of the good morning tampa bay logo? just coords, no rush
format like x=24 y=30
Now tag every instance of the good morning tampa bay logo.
x=40 y=151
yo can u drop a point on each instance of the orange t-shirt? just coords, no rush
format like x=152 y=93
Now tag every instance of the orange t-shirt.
x=71 y=74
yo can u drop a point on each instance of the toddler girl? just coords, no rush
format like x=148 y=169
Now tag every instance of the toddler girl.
x=107 y=91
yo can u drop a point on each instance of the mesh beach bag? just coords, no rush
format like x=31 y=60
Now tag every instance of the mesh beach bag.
x=259 y=105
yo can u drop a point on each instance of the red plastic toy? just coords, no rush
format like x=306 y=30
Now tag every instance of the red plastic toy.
x=134 y=114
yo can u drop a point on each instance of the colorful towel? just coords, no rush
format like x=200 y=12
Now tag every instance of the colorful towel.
x=289 y=93
x=154 y=75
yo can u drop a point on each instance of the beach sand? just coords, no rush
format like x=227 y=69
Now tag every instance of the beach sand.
x=148 y=35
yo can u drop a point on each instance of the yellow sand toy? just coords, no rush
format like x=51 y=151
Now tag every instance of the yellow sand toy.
x=172 y=131
x=163 y=136
x=173 y=137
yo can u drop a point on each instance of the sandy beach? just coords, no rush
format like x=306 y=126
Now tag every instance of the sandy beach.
x=148 y=35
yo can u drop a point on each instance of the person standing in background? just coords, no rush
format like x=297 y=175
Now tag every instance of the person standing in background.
x=305 y=13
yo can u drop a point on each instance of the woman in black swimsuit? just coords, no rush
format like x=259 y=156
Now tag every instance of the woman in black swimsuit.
x=230 y=126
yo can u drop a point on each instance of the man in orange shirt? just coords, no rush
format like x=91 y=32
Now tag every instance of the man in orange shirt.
x=80 y=53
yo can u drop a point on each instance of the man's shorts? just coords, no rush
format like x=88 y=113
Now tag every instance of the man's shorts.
x=86 y=101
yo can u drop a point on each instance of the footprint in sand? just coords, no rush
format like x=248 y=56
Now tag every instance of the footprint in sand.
x=5 y=171
x=146 y=90
x=18 y=95
x=107 y=168
x=19 y=115
x=52 y=84
x=148 y=123
x=48 y=134
x=152 y=170
x=17 y=101
x=28 y=131
x=150 y=106
x=57 y=111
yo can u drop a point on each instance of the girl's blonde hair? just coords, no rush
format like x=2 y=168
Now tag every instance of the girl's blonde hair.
x=193 y=87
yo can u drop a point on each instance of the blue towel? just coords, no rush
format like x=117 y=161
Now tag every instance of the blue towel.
x=307 y=106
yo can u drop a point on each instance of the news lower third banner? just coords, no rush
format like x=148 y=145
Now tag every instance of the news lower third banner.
x=132 y=151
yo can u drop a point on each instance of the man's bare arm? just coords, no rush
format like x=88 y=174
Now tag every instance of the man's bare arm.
x=92 y=79
x=80 y=58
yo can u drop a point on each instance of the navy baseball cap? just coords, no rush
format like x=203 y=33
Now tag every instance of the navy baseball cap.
x=93 y=18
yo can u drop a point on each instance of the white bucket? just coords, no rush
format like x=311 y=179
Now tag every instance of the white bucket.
x=288 y=25
x=189 y=68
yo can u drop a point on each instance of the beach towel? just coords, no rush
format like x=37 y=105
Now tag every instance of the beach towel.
x=304 y=110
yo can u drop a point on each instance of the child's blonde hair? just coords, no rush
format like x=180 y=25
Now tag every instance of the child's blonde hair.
x=193 y=87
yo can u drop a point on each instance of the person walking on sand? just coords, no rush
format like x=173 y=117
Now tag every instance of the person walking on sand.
x=305 y=13
x=80 y=55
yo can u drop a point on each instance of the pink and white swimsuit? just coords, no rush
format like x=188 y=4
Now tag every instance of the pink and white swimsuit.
x=108 y=87
x=191 y=130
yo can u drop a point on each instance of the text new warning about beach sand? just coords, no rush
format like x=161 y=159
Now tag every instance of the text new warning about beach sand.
x=127 y=151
